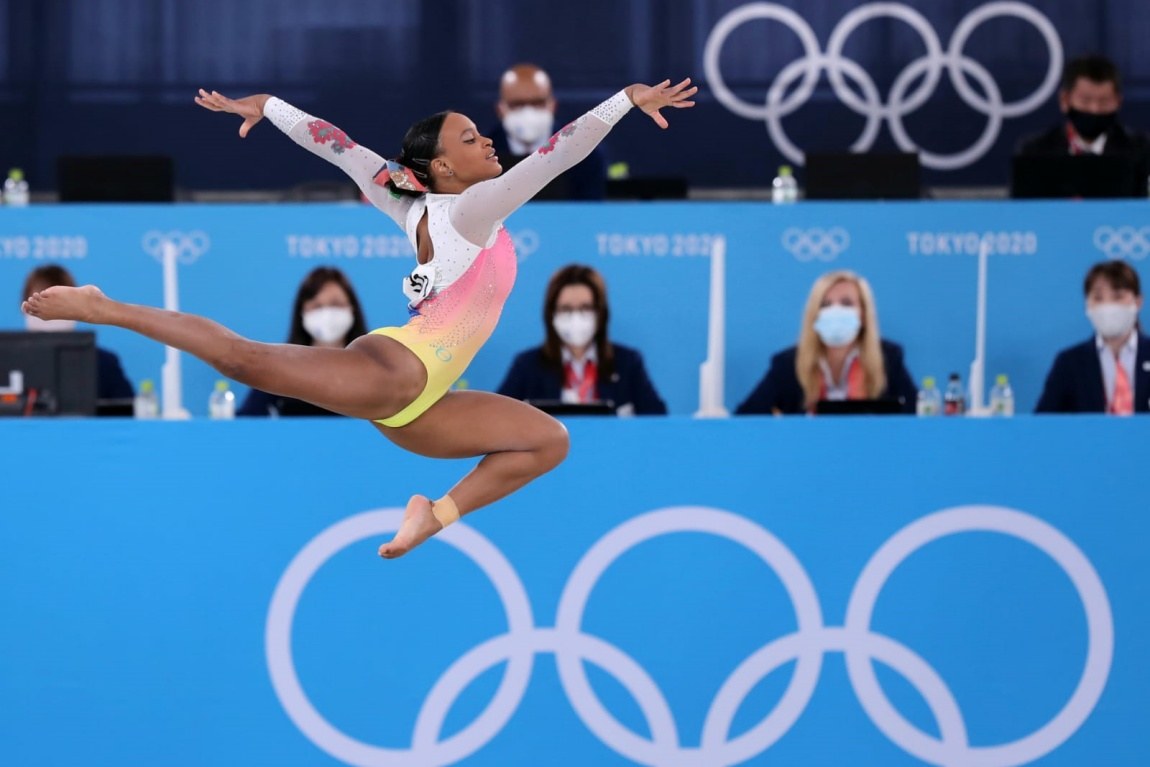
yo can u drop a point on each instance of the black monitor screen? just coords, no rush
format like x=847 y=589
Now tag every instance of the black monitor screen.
x=116 y=179
x=1069 y=176
x=47 y=373
x=869 y=176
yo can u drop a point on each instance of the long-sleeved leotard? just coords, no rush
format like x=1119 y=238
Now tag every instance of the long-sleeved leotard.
x=458 y=295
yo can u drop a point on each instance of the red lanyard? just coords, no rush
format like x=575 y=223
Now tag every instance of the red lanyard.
x=583 y=386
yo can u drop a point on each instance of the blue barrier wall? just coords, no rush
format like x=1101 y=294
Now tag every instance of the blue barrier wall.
x=208 y=593
x=242 y=265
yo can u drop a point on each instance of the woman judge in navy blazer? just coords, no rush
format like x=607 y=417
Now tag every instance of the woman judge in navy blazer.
x=840 y=355
x=1110 y=373
x=577 y=362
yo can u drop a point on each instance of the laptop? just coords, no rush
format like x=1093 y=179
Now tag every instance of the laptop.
x=1070 y=176
x=558 y=407
x=858 y=407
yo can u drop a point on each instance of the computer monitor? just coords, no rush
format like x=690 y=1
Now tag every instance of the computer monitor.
x=47 y=374
x=116 y=178
x=1071 y=176
x=865 y=176
x=647 y=188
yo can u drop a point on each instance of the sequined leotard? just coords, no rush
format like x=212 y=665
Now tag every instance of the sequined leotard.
x=473 y=265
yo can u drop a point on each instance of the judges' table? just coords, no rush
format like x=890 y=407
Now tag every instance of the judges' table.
x=241 y=265
x=872 y=591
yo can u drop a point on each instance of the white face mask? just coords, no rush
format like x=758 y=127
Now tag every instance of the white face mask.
x=838 y=325
x=529 y=126
x=576 y=329
x=328 y=324
x=1111 y=320
x=37 y=325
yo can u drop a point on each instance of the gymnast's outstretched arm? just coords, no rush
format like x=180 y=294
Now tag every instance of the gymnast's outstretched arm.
x=320 y=138
x=484 y=205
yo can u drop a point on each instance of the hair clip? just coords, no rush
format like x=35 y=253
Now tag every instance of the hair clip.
x=400 y=175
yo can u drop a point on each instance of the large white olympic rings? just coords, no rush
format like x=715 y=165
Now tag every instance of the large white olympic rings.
x=901 y=101
x=807 y=645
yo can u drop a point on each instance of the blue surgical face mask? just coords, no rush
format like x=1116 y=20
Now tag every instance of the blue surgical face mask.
x=838 y=325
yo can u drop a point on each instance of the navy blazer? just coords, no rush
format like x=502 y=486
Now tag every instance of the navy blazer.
x=780 y=390
x=111 y=383
x=531 y=379
x=1074 y=383
x=260 y=403
x=1119 y=140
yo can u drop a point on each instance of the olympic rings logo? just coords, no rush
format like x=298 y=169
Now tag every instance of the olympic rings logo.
x=812 y=244
x=1123 y=241
x=902 y=99
x=189 y=245
x=807 y=646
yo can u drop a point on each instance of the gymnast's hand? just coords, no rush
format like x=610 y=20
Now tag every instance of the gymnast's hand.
x=653 y=98
x=251 y=108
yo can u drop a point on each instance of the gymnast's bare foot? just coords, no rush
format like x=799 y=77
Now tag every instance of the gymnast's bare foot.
x=419 y=524
x=64 y=303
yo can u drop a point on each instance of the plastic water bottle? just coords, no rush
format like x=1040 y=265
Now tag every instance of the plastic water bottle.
x=785 y=189
x=222 y=403
x=1001 y=398
x=16 y=189
x=146 y=405
x=929 y=398
x=954 y=400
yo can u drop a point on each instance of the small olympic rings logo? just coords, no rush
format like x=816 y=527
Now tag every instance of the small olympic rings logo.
x=807 y=646
x=1123 y=241
x=903 y=99
x=816 y=244
x=189 y=245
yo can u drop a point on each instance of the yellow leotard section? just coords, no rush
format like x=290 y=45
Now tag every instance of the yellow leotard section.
x=454 y=323
x=438 y=383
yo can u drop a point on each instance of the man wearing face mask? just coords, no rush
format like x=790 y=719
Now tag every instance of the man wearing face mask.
x=111 y=383
x=578 y=364
x=1090 y=97
x=1110 y=373
x=840 y=356
x=526 y=110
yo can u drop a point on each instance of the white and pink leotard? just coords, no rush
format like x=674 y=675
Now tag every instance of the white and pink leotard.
x=458 y=295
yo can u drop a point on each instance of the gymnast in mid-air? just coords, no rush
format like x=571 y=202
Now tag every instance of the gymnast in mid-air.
x=448 y=193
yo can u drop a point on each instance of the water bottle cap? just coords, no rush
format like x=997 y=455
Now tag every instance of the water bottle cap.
x=147 y=386
x=928 y=382
x=1001 y=380
x=16 y=174
x=221 y=385
x=786 y=170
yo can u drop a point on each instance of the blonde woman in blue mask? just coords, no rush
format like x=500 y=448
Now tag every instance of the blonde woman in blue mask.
x=840 y=355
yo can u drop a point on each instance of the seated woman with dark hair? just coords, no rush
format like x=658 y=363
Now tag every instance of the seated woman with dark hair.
x=840 y=355
x=578 y=363
x=111 y=383
x=327 y=313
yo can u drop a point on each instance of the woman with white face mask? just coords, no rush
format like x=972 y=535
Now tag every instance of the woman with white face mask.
x=577 y=363
x=326 y=313
x=840 y=355
x=1110 y=373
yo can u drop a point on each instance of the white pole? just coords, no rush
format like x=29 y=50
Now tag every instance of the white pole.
x=171 y=379
x=978 y=367
x=712 y=370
